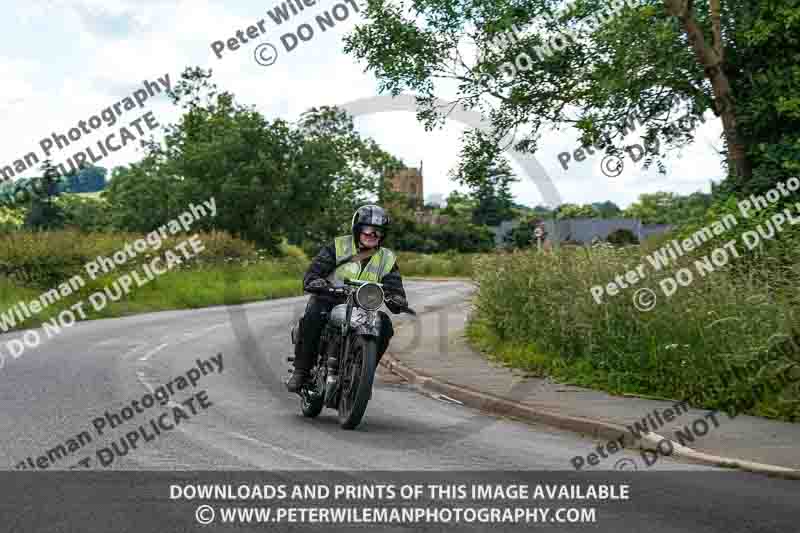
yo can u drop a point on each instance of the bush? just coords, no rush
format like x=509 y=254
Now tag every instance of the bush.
x=291 y=250
x=438 y=265
x=45 y=259
x=85 y=213
x=220 y=246
x=622 y=237
x=429 y=239
x=44 y=215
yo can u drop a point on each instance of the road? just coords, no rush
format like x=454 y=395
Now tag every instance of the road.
x=52 y=393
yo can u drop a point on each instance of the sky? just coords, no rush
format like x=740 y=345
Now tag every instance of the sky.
x=63 y=61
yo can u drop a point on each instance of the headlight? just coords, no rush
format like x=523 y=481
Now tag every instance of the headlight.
x=369 y=296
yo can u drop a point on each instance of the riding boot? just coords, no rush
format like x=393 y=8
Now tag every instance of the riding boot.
x=298 y=379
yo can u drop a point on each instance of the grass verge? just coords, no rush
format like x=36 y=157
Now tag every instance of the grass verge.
x=536 y=312
x=181 y=289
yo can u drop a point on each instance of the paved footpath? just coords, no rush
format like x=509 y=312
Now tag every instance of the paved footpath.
x=434 y=347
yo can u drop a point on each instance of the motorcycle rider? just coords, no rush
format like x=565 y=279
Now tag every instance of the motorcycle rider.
x=371 y=262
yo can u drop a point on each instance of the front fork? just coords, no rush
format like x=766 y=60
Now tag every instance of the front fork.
x=365 y=323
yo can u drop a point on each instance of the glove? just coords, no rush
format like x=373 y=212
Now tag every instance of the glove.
x=397 y=300
x=317 y=284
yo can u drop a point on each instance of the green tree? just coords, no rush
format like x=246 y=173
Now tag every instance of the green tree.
x=494 y=197
x=44 y=213
x=459 y=206
x=669 y=208
x=87 y=214
x=523 y=236
x=353 y=171
x=659 y=59
x=576 y=211
x=142 y=196
x=607 y=209
x=458 y=236
x=653 y=208
x=487 y=173
x=270 y=180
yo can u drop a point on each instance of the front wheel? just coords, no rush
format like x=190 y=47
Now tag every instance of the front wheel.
x=356 y=381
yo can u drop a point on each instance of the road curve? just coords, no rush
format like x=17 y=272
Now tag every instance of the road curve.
x=53 y=393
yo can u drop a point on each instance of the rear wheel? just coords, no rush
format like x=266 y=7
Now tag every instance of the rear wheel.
x=356 y=377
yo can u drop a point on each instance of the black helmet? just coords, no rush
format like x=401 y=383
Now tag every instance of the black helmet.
x=370 y=215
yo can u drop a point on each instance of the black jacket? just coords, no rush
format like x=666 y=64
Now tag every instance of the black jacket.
x=323 y=264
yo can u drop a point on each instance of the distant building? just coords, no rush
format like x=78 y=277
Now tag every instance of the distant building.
x=409 y=181
x=584 y=230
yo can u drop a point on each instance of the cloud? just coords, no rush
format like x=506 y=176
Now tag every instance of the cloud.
x=69 y=59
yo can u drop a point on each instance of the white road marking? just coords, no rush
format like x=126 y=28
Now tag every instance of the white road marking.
x=285 y=451
x=149 y=387
x=447 y=399
x=133 y=350
x=199 y=333
x=152 y=352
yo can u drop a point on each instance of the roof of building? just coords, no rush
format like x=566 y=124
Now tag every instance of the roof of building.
x=584 y=230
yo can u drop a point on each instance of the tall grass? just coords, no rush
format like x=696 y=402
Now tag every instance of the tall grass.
x=536 y=311
x=185 y=289
x=227 y=271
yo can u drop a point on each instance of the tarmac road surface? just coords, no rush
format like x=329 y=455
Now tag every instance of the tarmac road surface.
x=242 y=418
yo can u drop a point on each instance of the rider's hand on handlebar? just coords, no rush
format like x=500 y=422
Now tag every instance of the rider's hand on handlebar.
x=397 y=300
x=317 y=284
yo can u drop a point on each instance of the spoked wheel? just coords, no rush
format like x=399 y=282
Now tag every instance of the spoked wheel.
x=311 y=398
x=356 y=381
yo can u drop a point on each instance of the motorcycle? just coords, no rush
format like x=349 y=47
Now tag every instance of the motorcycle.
x=345 y=366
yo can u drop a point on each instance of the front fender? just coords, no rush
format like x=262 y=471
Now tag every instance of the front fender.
x=366 y=323
x=367 y=331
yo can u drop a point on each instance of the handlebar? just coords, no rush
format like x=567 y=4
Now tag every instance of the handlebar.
x=360 y=282
x=327 y=290
x=344 y=290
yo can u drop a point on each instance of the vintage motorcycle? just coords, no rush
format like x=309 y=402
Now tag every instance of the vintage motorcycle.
x=342 y=375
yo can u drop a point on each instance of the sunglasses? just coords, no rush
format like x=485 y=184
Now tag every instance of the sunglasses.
x=372 y=232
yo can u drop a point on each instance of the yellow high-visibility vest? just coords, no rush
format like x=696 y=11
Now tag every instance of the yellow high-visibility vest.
x=379 y=264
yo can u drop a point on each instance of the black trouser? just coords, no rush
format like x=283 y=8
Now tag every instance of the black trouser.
x=311 y=326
